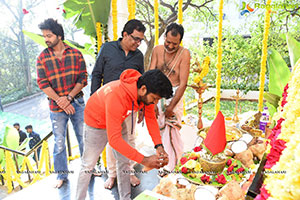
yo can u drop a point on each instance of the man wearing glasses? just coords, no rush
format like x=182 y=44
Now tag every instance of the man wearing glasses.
x=114 y=58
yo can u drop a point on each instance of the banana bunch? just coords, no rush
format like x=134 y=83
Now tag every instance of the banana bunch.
x=271 y=98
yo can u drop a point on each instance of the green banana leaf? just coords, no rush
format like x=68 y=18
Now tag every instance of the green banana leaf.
x=24 y=144
x=294 y=49
x=87 y=12
x=279 y=72
x=11 y=138
x=39 y=39
x=279 y=75
x=2 y=160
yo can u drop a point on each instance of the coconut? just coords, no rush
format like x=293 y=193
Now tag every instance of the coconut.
x=247 y=138
x=239 y=146
x=204 y=193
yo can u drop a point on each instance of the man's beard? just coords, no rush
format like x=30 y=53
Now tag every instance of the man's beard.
x=51 y=45
x=144 y=100
x=170 y=51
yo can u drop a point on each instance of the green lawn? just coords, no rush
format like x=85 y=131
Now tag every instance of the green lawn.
x=227 y=108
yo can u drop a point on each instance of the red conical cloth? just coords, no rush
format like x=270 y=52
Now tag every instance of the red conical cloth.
x=215 y=139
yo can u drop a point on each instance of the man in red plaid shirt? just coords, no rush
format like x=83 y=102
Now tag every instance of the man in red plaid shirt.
x=62 y=74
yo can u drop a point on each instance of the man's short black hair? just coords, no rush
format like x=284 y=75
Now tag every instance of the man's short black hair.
x=175 y=30
x=132 y=25
x=53 y=26
x=156 y=82
x=28 y=127
x=16 y=124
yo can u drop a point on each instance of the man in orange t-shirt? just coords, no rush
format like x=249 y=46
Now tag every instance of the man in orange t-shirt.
x=104 y=117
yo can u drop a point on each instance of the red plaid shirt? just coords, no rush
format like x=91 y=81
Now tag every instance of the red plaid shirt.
x=60 y=75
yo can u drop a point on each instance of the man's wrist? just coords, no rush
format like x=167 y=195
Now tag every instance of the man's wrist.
x=158 y=145
x=70 y=98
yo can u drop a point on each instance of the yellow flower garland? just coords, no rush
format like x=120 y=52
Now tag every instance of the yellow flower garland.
x=114 y=19
x=286 y=186
x=205 y=67
x=156 y=21
x=130 y=9
x=264 y=56
x=99 y=35
x=133 y=9
x=180 y=18
x=219 y=59
x=10 y=172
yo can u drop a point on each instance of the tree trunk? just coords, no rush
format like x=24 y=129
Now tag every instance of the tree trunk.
x=23 y=53
x=148 y=54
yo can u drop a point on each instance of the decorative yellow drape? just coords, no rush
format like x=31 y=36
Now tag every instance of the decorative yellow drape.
x=156 y=21
x=264 y=56
x=219 y=59
x=114 y=19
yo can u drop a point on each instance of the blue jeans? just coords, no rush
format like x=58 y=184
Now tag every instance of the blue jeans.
x=59 y=122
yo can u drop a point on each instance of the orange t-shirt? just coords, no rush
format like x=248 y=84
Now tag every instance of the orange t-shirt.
x=108 y=107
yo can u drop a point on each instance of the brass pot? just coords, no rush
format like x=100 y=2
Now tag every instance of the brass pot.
x=212 y=167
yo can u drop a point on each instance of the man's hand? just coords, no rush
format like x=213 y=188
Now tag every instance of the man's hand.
x=162 y=155
x=152 y=162
x=63 y=102
x=169 y=112
x=69 y=110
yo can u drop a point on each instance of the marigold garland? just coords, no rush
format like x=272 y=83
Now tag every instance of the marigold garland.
x=264 y=56
x=156 y=21
x=114 y=19
x=99 y=35
x=180 y=18
x=10 y=172
x=130 y=9
x=286 y=147
x=219 y=59
x=133 y=9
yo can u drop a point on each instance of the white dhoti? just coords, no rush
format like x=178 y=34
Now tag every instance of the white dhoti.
x=169 y=130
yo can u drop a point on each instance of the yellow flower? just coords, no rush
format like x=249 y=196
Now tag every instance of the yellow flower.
x=219 y=59
x=180 y=11
x=205 y=67
x=197 y=79
x=114 y=19
x=99 y=35
x=264 y=57
x=285 y=183
x=156 y=21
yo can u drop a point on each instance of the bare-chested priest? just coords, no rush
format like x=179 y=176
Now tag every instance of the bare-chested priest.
x=174 y=61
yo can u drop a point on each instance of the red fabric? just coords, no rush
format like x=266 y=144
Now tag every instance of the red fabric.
x=111 y=104
x=215 y=139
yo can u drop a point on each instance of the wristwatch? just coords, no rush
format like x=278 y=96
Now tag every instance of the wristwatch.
x=70 y=98
x=158 y=145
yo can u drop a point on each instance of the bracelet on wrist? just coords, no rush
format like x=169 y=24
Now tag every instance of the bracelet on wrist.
x=158 y=145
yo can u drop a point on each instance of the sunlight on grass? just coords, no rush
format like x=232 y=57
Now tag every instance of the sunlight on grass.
x=227 y=108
